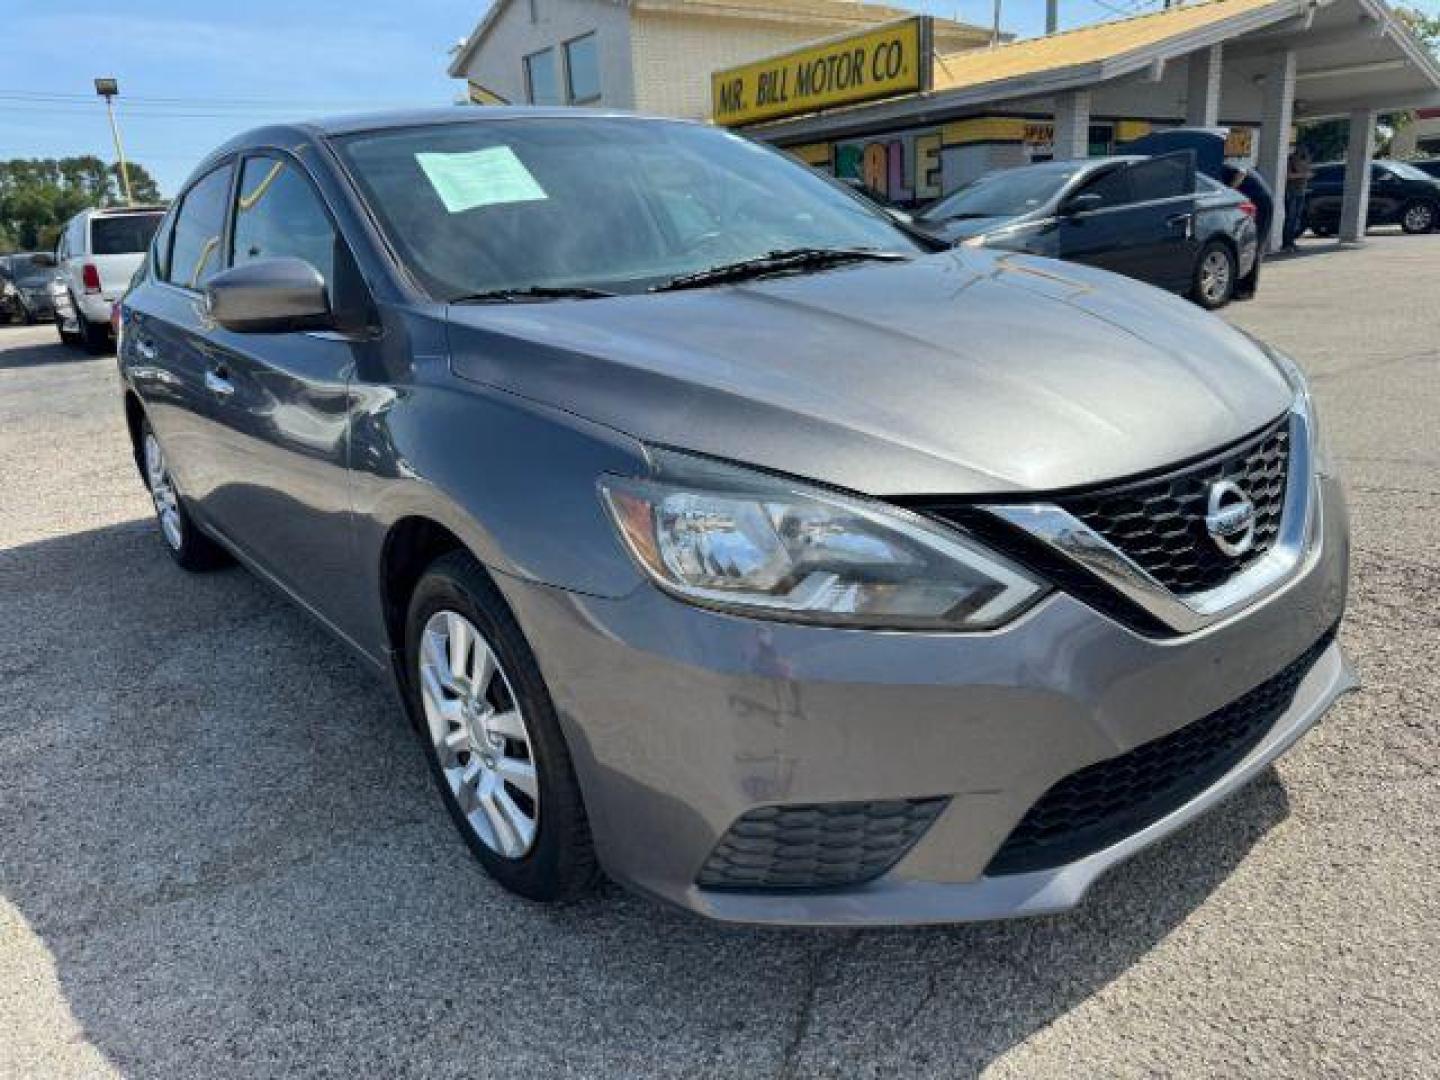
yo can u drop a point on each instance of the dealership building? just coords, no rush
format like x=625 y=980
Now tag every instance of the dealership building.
x=651 y=56
x=914 y=106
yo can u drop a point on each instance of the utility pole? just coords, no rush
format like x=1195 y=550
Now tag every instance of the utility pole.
x=1052 y=16
x=995 y=28
x=109 y=89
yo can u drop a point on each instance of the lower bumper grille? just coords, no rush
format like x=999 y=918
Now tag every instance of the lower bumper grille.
x=1103 y=803
x=824 y=845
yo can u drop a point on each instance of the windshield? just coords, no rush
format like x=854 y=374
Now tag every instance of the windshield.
x=1005 y=193
x=28 y=272
x=1407 y=171
x=123 y=234
x=595 y=203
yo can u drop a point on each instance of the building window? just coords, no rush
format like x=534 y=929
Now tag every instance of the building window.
x=582 y=70
x=540 y=82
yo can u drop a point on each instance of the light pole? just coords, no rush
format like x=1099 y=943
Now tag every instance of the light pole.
x=109 y=89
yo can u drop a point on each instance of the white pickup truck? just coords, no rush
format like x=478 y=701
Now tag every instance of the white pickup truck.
x=98 y=254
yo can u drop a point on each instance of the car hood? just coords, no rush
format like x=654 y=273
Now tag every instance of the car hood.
x=964 y=372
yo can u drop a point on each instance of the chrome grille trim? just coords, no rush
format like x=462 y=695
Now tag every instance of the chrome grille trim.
x=1076 y=541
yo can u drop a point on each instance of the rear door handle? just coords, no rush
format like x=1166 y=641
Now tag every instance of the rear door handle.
x=217 y=384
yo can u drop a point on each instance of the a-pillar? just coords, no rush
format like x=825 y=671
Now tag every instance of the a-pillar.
x=1355 y=204
x=1202 y=94
x=1276 y=119
x=1072 y=125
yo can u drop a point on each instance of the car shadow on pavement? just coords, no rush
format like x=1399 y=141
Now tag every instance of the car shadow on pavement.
x=217 y=825
x=40 y=355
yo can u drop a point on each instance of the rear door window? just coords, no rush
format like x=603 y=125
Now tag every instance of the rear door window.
x=196 y=249
x=122 y=234
x=1166 y=177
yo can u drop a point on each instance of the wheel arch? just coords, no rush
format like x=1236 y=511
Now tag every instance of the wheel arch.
x=410 y=546
x=134 y=424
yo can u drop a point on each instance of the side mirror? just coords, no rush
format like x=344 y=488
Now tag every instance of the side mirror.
x=269 y=296
x=1078 y=204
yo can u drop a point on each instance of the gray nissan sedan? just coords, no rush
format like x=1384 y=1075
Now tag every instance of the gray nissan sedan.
x=721 y=535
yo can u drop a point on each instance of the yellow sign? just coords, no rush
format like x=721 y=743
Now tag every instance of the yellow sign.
x=1239 y=142
x=884 y=62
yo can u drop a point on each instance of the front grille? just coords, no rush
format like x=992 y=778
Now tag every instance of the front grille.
x=1160 y=522
x=824 y=845
x=1103 y=803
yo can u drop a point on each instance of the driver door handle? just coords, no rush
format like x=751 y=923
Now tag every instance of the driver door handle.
x=218 y=384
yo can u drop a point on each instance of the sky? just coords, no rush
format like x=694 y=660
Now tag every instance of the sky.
x=191 y=75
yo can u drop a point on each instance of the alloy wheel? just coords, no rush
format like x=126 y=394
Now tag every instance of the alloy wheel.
x=162 y=492
x=1215 y=276
x=479 y=735
x=1419 y=218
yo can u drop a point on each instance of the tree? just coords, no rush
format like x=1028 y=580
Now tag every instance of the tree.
x=39 y=195
x=1423 y=26
x=1325 y=140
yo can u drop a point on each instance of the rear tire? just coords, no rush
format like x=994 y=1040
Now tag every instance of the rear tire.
x=68 y=338
x=1418 y=217
x=1213 y=284
x=190 y=548
x=94 y=336
x=485 y=718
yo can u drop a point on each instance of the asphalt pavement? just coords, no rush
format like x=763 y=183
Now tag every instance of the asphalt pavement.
x=220 y=853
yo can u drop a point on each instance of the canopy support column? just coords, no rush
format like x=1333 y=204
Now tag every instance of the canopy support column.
x=1276 y=119
x=1202 y=95
x=1355 y=203
x=1072 y=125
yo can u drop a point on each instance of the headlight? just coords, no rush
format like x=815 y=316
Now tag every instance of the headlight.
x=1300 y=383
x=745 y=542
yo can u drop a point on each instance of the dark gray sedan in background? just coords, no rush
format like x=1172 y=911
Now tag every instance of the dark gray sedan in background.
x=718 y=533
x=1151 y=218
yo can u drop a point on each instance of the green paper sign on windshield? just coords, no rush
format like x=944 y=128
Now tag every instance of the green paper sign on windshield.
x=480 y=178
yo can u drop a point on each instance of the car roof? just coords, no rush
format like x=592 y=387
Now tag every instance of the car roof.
x=117 y=211
x=466 y=114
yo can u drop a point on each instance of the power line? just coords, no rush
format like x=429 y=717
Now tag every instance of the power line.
x=67 y=97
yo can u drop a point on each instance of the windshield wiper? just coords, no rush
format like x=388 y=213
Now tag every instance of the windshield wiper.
x=531 y=293
x=777 y=262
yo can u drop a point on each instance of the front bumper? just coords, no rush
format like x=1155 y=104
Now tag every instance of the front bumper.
x=680 y=720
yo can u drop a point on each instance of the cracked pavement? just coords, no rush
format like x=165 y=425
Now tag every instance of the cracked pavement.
x=220 y=854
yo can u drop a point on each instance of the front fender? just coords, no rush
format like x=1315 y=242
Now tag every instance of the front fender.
x=513 y=479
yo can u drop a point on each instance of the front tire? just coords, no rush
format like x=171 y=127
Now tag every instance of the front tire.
x=188 y=546
x=1213 y=285
x=1418 y=217
x=489 y=729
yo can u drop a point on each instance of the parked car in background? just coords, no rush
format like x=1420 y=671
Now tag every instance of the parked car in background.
x=25 y=286
x=719 y=532
x=1400 y=194
x=98 y=254
x=1152 y=218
